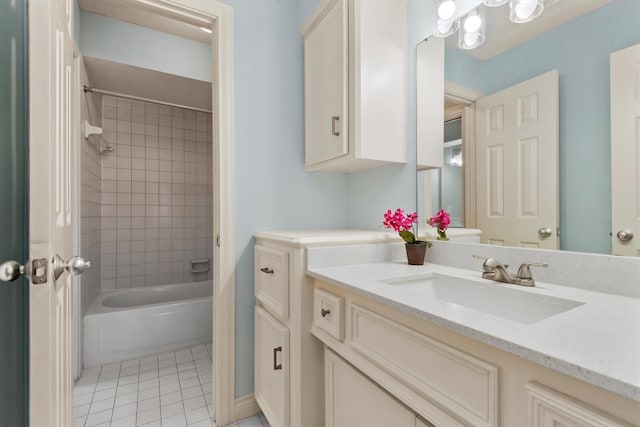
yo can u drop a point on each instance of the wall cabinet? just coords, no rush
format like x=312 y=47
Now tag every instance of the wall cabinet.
x=404 y=366
x=355 y=85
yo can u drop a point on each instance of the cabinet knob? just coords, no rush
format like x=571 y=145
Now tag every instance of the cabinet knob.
x=324 y=313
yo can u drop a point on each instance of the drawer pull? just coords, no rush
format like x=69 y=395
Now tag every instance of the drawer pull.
x=267 y=270
x=335 y=131
x=324 y=313
x=276 y=366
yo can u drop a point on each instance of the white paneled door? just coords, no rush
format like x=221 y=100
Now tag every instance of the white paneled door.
x=625 y=151
x=51 y=182
x=517 y=164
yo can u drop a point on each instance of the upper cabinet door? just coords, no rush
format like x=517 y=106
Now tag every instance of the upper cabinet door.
x=517 y=164
x=326 y=79
x=625 y=151
x=355 y=85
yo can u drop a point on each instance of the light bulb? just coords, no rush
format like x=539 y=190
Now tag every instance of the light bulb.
x=470 y=39
x=444 y=26
x=525 y=10
x=446 y=9
x=473 y=22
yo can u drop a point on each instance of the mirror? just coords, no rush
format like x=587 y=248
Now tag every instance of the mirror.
x=568 y=49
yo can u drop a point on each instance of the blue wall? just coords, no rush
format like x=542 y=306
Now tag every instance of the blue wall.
x=579 y=50
x=272 y=189
x=118 y=41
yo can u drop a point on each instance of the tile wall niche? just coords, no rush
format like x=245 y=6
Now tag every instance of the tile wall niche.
x=156 y=194
x=90 y=200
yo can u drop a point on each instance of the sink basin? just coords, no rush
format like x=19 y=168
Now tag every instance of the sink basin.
x=512 y=304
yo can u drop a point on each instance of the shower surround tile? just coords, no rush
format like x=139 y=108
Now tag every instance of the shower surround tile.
x=156 y=200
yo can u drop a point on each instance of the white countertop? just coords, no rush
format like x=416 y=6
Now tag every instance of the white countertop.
x=597 y=342
x=309 y=238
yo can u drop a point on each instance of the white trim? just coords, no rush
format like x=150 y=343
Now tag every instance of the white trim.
x=460 y=94
x=220 y=18
x=246 y=407
x=465 y=98
x=77 y=218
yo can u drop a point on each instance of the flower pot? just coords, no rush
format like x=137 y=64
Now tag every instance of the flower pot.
x=416 y=252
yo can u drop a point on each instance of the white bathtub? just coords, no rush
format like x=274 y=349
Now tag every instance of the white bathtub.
x=131 y=323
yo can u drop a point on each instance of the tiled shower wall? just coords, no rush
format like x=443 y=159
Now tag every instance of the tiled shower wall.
x=156 y=194
x=90 y=201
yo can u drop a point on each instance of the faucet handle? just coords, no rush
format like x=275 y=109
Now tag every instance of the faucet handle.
x=525 y=273
x=489 y=264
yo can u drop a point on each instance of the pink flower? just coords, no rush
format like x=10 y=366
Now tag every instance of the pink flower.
x=397 y=220
x=441 y=220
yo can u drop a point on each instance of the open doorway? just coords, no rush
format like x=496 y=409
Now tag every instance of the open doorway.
x=178 y=158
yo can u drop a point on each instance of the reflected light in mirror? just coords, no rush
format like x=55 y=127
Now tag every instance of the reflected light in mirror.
x=523 y=11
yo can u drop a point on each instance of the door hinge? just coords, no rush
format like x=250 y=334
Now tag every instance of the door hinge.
x=39 y=269
x=217 y=240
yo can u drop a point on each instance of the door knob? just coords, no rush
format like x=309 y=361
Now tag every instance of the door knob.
x=624 y=235
x=544 y=232
x=76 y=265
x=11 y=270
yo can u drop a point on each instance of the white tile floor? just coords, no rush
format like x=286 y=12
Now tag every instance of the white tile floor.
x=168 y=389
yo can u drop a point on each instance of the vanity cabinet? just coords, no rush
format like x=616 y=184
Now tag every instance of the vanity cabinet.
x=271 y=357
x=355 y=57
x=289 y=370
x=390 y=359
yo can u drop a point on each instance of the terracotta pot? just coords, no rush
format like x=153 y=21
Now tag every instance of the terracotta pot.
x=416 y=252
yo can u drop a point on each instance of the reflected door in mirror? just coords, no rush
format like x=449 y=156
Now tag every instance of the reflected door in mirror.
x=625 y=151
x=516 y=161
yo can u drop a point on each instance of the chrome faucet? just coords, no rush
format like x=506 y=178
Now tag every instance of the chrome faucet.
x=495 y=270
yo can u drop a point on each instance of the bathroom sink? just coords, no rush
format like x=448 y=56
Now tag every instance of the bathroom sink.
x=509 y=303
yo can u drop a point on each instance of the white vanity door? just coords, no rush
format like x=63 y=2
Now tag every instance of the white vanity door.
x=517 y=164
x=352 y=400
x=625 y=151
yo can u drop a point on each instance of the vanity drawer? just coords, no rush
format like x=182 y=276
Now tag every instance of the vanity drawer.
x=463 y=384
x=328 y=313
x=272 y=280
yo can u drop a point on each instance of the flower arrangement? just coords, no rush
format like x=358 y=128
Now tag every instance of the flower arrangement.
x=441 y=221
x=403 y=224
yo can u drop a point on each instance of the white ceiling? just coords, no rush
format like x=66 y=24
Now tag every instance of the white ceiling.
x=130 y=80
x=502 y=34
x=124 y=11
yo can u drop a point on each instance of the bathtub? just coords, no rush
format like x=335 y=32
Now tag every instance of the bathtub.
x=132 y=323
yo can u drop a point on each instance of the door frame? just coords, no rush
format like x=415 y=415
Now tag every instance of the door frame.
x=219 y=17
x=465 y=99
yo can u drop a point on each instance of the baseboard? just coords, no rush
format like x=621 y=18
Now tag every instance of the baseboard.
x=246 y=407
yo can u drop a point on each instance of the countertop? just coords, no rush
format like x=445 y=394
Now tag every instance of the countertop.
x=597 y=342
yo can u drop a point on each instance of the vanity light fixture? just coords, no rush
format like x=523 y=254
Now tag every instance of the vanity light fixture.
x=525 y=10
x=206 y=30
x=472 y=30
x=447 y=22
